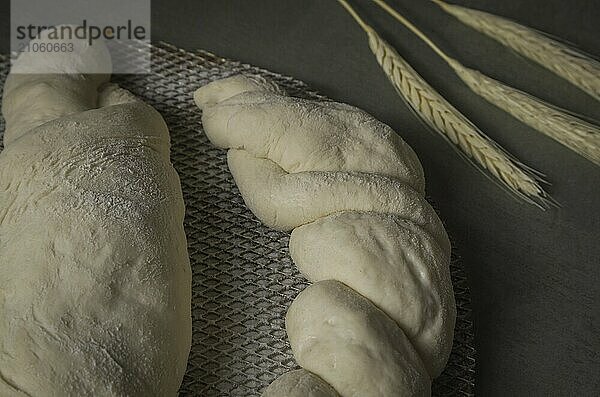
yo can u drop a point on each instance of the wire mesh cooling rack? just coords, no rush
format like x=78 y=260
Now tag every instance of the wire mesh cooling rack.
x=243 y=277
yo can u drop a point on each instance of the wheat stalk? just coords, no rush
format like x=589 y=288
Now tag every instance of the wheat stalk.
x=576 y=134
x=444 y=118
x=567 y=129
x=568 y=63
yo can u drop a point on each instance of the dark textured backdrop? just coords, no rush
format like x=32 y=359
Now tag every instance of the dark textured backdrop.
x=535 y=276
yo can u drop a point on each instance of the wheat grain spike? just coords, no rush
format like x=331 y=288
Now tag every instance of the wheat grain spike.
x=445 y=119
x=562 y=126
x=576 y=134
x=572 y=65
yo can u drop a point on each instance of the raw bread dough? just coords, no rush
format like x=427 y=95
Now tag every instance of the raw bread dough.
x=394 y=263
x=94 y=273
x=337 y=333
x=353 y=193
x=299 y=383
x=45 y=86
x=301 y=135
x=284 y=201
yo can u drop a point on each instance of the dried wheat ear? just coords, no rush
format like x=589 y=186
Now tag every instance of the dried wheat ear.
x=572 y=65
x=445 y=119
x=559 y=124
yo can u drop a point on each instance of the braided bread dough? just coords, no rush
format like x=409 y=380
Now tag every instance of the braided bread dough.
x=339 y=334
x=95 y=281
x=394 y=263
x=299 y=383
x=379 y=319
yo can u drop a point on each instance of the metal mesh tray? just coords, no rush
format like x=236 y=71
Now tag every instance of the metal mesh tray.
x=243 y=277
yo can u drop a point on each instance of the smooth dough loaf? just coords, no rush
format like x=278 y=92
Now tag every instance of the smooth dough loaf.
x=95 y=276
x=379 y=319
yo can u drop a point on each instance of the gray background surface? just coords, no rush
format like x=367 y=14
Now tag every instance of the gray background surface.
x=535 y=276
